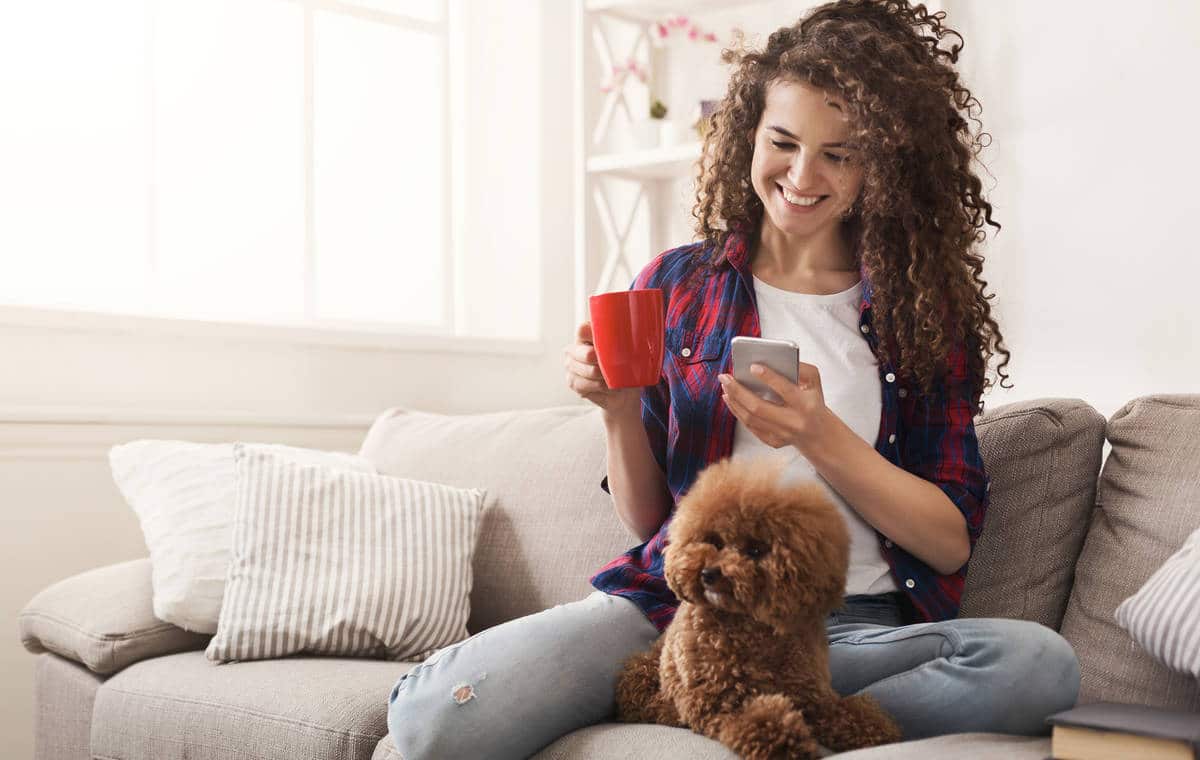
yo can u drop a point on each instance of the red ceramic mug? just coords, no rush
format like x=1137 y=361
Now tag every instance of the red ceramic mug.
x=627 y=332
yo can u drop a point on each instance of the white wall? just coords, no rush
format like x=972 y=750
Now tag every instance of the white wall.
x=1091 y=107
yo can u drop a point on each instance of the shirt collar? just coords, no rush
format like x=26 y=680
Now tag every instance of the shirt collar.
x=736 y=254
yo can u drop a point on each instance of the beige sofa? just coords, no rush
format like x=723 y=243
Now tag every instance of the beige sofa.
x=1063 y=544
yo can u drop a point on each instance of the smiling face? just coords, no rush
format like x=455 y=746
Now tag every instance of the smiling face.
x=803 y=171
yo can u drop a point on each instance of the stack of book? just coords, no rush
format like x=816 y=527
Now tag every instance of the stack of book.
x=1111 y=731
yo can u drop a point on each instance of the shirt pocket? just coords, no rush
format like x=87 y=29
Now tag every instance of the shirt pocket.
x=692 y=362
x=687 y=347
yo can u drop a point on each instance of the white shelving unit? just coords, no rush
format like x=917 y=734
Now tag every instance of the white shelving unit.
x=668 y=162
x=625 y=200
x=649 y=11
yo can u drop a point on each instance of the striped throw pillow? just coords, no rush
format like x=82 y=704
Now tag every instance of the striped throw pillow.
x=183 y=495
x=333 y=562
x=1164 y=615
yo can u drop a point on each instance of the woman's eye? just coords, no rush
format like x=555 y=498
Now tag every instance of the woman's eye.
x=783 y=145
x=836 y=158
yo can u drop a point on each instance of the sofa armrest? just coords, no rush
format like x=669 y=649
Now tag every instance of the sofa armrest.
x=103 y=619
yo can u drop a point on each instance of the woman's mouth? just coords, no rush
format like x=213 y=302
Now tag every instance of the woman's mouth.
x=800 y=204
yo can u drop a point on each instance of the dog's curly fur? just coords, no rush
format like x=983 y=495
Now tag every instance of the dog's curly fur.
x=745 y=661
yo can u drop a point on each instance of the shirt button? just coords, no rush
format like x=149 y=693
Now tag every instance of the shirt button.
x=890 y=377
x=865 y=328
x=902 y=393
x=892 y=438
x=685 y=353
x=888 y=543
x=910 y=583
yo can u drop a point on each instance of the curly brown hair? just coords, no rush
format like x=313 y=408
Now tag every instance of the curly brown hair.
x=921 y=211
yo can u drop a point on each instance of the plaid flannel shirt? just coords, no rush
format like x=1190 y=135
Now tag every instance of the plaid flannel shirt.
x=688 y=427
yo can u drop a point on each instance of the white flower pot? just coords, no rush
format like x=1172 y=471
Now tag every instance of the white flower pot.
x=672 y=132
x=645 y=133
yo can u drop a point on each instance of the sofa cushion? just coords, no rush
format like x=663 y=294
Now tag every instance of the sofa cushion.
x=64 y=693
x=546 y=525
x=102 y=618
x=1043 y=458
x=1148 y=502
x=616 y=741
x=620 y=740
x=958 y=746
x=184 y=706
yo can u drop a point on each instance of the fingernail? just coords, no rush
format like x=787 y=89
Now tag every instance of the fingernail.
x=724 y=379
x=756 y=369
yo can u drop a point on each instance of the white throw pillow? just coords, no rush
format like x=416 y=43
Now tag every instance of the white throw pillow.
x=332 y=562
x=1164 y=615
x=183 y=494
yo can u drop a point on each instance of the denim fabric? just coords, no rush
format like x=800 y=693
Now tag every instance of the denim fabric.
x=968 y=674
x=511 y=690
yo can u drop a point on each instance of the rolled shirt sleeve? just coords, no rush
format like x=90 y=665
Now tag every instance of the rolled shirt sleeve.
x=941 y=445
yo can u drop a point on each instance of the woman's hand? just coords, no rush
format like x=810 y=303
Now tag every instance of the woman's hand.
x=584 y=377
x=796 y=421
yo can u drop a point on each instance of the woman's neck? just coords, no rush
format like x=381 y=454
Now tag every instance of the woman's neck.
x=818 y=265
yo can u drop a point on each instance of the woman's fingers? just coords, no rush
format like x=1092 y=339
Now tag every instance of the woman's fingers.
x=584 y=386
x=583 y=333
x=765 y=431
x=583 y=369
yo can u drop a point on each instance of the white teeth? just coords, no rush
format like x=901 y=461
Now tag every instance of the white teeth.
x=801 y=200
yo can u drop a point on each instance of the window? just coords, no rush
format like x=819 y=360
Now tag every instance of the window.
x=283 y=162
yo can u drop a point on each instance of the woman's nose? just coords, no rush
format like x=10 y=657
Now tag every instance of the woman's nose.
x=800 y=168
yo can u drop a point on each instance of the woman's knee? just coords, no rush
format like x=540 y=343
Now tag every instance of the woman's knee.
x=1034 y=673
x=508 y=690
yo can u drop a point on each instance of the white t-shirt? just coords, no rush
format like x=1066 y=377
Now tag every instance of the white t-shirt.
x=826 y=328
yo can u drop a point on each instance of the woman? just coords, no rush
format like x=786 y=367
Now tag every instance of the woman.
x=837 y=207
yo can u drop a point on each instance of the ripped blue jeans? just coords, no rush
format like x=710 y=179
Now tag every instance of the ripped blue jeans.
x=512 y=689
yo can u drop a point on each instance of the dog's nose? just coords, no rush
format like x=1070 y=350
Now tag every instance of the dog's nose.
x=709 y=575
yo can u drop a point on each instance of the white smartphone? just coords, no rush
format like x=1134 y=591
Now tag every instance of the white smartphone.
x=783 y=356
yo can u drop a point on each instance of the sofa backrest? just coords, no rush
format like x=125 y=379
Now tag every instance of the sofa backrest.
x=1043 y=458
x=1148 y=502
x=547 y=526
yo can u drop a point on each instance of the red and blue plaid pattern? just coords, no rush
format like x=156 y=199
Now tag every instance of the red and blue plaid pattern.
x=689 y=428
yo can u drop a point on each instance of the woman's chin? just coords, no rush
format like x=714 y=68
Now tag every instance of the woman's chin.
x=789 y=224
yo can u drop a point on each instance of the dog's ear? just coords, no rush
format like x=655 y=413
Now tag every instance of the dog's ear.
x=808 y=562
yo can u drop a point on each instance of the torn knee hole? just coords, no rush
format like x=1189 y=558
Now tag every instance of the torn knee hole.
x=465 y=692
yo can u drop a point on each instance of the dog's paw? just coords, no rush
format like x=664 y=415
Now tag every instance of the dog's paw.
x=852 y=723
x=769 y=728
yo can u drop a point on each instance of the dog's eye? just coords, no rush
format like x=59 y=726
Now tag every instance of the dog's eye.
x=715 y=540
x=755 y=549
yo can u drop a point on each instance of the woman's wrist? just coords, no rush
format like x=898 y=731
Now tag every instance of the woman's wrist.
x=626 y=412
x=817 y=432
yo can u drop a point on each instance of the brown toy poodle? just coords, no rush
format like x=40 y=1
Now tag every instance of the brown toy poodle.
x=757 y=567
